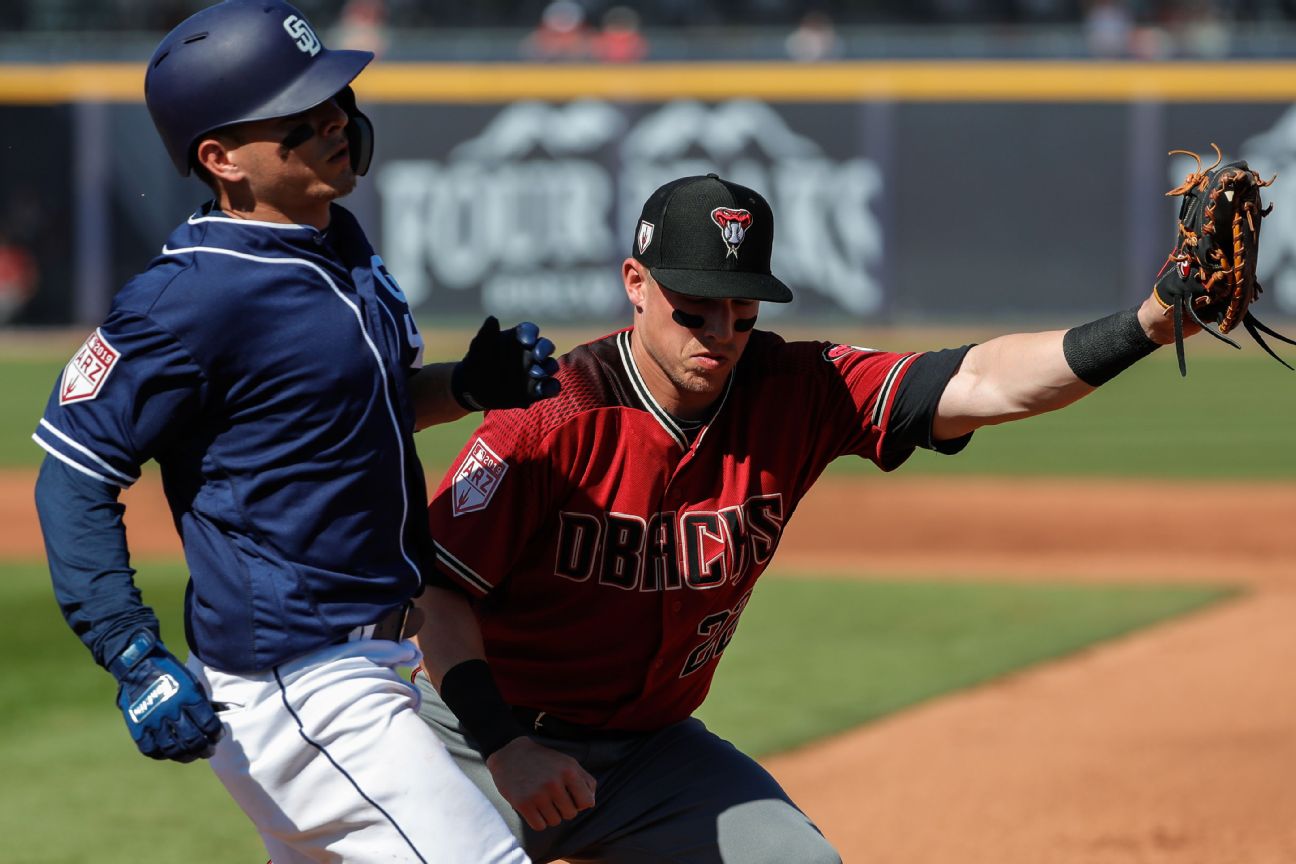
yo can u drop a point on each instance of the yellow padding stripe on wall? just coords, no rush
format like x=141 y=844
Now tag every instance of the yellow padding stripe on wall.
x=1008 y=81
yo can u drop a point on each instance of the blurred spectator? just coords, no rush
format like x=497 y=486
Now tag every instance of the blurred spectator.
x=620 y=40
x=1150 y=42
x=814 y=39
x=17 y=278
x=362 y=26
x=1108 y=25
x=561 y=34
x=1201 y=30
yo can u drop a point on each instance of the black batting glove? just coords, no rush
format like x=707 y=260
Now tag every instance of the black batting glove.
x=505 y=369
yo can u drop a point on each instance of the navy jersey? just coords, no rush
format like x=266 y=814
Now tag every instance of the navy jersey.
x=264 y=367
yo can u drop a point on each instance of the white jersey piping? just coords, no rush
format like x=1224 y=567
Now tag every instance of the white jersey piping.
x=80 y=448
x=373 y=349
x=72 y=463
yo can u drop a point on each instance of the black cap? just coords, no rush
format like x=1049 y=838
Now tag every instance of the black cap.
x=707 y=237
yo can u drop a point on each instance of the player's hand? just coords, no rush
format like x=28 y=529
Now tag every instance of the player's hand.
x=1155 y=315
x=505 y=369
x=544 y=786
x=167 y=712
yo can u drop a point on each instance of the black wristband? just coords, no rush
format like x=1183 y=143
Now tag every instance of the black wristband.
x=1100 y=350
x=470 y=691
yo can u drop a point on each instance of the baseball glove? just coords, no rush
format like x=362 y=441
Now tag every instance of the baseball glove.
x=1211 y=274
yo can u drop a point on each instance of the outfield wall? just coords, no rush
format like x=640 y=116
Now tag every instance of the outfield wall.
x=905 y=192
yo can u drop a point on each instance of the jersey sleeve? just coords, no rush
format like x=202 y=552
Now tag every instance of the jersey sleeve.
x=917 y=398
x=491 y=502
x=125 y=391
x=85 y=544
x=881 y=402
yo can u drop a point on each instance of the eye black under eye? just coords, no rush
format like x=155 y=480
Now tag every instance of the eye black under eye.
x=299 y=134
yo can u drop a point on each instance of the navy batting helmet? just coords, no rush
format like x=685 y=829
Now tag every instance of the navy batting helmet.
x=244 y=60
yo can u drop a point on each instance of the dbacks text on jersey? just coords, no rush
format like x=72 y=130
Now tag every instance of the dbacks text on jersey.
x=696 y=549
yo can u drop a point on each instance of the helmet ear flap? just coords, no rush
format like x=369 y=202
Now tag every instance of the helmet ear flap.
x=359 y=131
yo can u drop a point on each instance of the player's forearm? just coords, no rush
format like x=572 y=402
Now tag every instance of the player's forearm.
x=454 y=661
x=434 y=403
x=85 y=542
x=450 y=634
x=1025 y=374
x=1007 y=378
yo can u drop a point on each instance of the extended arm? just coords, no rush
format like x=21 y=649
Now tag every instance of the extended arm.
x=543 y=785
x=1024 y=374
x=502 y=369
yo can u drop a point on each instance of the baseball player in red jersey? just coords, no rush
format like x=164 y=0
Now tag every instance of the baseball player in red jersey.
x=597 y=551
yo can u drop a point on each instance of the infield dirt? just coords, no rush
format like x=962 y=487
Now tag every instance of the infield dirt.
x=1175 y=744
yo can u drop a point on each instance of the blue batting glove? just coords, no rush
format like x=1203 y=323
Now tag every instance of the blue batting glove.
x=168 y=714
x=505 y=368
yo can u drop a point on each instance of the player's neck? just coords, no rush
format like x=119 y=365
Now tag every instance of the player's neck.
x=676 y=401
x=313 y=213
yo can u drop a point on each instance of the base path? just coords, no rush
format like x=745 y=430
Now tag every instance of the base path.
x=1173 y=745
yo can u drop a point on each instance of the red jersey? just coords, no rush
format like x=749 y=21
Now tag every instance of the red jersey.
x=613 y=552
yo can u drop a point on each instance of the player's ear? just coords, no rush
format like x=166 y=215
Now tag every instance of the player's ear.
x=213 y=156
x=636 y=278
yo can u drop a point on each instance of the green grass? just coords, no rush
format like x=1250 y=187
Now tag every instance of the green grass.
x=439 y=445
x=26 y=385
x=810 y=657
x=75 y=789
x=815 y=657
x=1149 y=423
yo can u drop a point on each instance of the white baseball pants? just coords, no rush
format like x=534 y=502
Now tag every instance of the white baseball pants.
x=328 y=757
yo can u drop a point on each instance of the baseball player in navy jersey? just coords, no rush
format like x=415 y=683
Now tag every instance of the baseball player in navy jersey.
x=268 y=362
x=641 y=506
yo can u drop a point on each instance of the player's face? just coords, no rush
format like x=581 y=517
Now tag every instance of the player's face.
x=294 y=180
x=693 y=343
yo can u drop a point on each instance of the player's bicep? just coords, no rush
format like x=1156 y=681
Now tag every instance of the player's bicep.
x=892 y=400
x=915 y=419
x=119 y=399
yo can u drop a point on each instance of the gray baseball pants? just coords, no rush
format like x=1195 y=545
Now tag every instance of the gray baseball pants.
x=681 y=794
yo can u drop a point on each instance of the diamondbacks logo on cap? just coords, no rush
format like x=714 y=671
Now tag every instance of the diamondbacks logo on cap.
x=733 y=227
x=477 y=479
x=85 y=374
x=644 y=236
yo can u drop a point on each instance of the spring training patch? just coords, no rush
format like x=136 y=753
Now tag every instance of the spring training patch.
x=86 y=372
x=477 y=479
